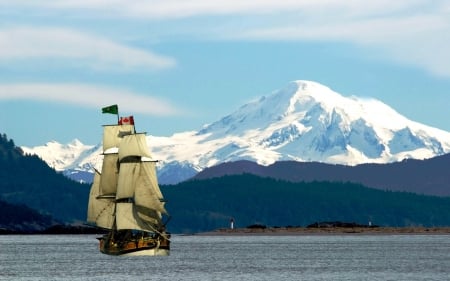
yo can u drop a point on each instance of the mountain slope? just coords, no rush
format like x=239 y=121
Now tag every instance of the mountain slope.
x=19 y=218
x=27 y=180
x=428 y=176
x=305 y=121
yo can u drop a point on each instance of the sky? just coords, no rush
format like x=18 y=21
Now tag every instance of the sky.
x=176 y=65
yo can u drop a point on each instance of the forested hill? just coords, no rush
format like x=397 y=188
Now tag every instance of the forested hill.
x=28 y=180
x=428 y=176
x=202 y=205
x=21 y=219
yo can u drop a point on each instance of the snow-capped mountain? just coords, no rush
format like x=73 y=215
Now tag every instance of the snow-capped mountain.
x=305 y=121
x=74 y=159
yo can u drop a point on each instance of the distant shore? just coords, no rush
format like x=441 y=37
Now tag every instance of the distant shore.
x=341 y=228
x=327 y=231
x=55 y=229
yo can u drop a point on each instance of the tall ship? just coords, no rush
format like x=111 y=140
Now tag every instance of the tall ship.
x=125 y=198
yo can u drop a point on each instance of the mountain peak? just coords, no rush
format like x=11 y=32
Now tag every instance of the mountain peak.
x=303 y=121
x=307 y=121
x=306 y=96
x=298 y=100
x=302 y=94
x=75 y=143
x=305 y=85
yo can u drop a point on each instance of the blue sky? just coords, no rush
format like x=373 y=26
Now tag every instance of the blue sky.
x=177 y=65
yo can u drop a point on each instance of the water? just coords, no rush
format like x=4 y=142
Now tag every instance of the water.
x=315 y=257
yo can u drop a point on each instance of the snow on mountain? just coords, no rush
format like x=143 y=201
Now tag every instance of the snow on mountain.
x=72 y=158
x=305 y=121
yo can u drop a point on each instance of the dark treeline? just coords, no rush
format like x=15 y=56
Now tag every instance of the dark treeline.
x=203 y=205
x=27 y=180
x=20 y=218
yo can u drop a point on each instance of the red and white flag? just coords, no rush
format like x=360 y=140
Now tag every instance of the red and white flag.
x=126 y=120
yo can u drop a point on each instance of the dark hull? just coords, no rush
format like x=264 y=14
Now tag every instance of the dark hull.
x=143 y=246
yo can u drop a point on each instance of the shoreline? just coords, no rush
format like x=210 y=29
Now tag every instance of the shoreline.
x=328 y=231
x=262 y=230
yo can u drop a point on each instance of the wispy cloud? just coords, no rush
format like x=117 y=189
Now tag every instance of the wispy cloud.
x=413 y=32
x=59 y=43
x=169 y=9
x=157 y=9
x=89 y=96
x=418 y=40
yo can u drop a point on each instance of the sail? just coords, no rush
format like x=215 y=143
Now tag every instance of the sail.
x=137 y=181
x=113 y=134
x=130 y=216
x=139 y=201
x=100 y=211
x=147 y=192
x=108 y=180
x=92 y=205
x=133 y=145
x=128 y=175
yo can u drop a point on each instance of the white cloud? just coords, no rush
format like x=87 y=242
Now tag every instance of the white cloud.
x=418 y=40
x=188 y=8
x=59 y=43
x=412 y=32
x=89 y=96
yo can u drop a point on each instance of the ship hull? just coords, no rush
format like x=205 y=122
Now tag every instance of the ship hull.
x=135 y=247
x=149 y=252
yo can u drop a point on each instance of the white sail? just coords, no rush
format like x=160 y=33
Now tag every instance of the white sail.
x=137 y=181
x=105 y=218
x=133 y=145
x=113 y=134
x=128 y=175
x=92 y=205
x=108 y=180
x=130 y=216
x=147 y=192
x=100 y=211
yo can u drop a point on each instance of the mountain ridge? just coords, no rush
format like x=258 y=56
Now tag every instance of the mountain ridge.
x=304 y=121
x=428 y=177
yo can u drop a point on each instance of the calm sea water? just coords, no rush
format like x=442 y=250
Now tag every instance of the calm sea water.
x=337 y=257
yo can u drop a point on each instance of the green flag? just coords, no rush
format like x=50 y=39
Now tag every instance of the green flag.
x=113 y=109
